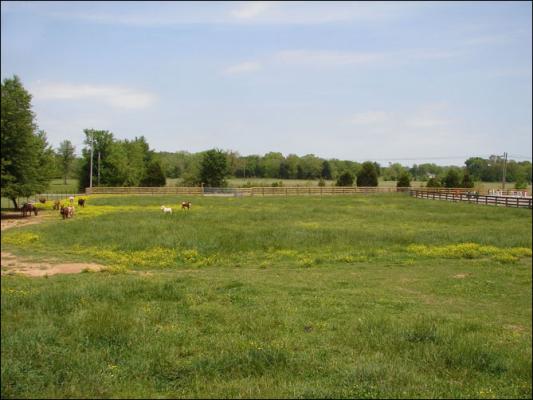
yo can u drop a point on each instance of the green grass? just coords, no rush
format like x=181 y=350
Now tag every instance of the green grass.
x=360 y=296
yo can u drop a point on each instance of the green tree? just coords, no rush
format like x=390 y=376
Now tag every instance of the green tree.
x=154 y=175
x=452 y=179
x=213 y=168
x=311 y=166
x=271 y=163
x=102 y=142
x=404 y=180
x=477 y=167
x=467 y=181
x=27 y=160
x=367 y=175
x=345 y=179
x=284 y=172
x=66 y=157
x=326 y=170
x=433 y=183
x=393 y=172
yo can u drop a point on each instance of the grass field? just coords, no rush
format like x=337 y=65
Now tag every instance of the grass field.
x=374 y=296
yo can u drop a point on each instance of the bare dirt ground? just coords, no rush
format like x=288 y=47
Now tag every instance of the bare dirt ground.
x=14 y=219
x=12 y=264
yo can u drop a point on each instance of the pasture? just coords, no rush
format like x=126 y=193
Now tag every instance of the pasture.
x=368 y=296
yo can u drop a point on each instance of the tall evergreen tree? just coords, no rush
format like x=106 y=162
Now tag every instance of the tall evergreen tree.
x=452 y=179
x=367 y=175
x=404 y=180
x=326 y=170
x=345 y=179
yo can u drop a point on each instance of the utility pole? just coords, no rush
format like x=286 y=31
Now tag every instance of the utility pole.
x=98 y=168
x=91 y=176
x=504 y=169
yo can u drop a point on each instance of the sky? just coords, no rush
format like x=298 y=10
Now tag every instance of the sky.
x=405 y=82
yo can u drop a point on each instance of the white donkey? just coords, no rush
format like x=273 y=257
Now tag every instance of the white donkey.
x=166 y=209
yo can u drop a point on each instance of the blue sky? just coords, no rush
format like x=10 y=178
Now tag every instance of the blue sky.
x=384 y=81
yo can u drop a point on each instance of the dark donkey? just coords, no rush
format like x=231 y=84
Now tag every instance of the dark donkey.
x=28 y=208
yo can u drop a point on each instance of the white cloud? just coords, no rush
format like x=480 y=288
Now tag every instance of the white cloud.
x=247 y=66
x=424 y=117
x=326 y=58
x=330 y=58
x=115 y=96
x=251 y=9
x=263 y=12
x=370 y=118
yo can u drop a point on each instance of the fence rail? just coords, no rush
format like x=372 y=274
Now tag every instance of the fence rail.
x=144 y=190
x=504 y=201
x=253 y=191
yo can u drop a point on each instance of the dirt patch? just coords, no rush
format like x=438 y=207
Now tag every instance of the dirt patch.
x=12 y=264
x=14 y=219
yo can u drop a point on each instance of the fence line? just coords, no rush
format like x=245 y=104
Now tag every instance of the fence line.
x=253 y=191
x=505 y=201
x=7 y=203
x=450 y=194
x=144 y=190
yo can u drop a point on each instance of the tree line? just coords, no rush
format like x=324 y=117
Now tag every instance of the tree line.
x=275 y=165
x=28 y=162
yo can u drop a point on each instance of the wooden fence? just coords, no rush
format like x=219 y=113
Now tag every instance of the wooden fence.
x=144 y=190
x=253 y=191
x=505 y=201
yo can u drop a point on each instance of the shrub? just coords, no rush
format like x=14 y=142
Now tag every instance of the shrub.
x=367 y=175
x=451 y=180
x=433 y=182
x=520 y=185
x=321 y=182
x=345 y=179
x=404 y=180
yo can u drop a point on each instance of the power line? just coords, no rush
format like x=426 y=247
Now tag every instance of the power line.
x=427 y=158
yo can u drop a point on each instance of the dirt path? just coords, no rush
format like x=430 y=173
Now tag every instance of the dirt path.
x=12 y=264
x=14 y=219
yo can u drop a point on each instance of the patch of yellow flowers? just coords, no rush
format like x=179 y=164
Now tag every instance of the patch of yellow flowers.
x=155 y=257
x=471 y=251
x=20 y=238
